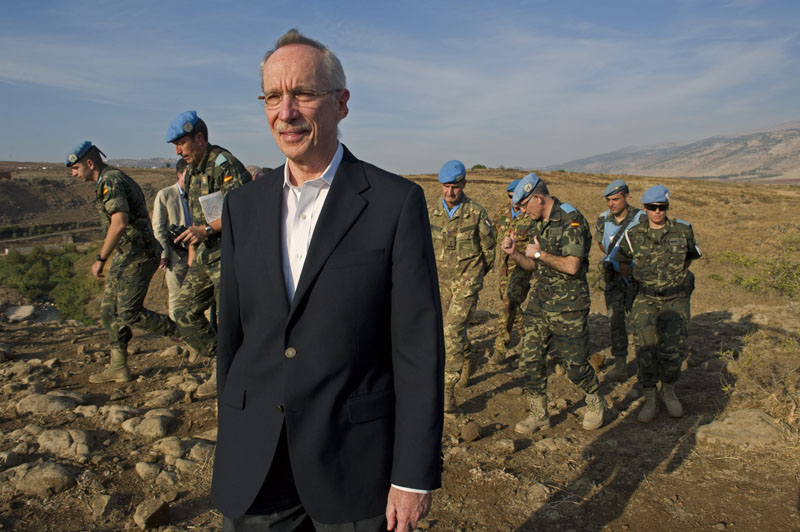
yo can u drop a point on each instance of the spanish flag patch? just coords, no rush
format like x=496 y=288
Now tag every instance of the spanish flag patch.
x=574 y=224
x=227 y=178
x=105 y=191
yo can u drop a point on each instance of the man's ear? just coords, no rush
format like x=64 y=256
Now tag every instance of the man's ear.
x=341 y=103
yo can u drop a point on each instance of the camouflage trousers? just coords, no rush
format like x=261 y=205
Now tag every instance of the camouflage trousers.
x=660 y=330
x=514 y=289
x=617 y=317
x=199 y=290
x=459 y=302
x=122 y=307
x=568 y=333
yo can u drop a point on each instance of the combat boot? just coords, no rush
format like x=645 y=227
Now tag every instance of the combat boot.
x=648 y=411
x=467 y=369
x=674 y=406
x=537 y=419
x=208 y=388
x=450 y=405
x=595 y=408
x=499 y=354
x=117 y=370
x=620 y=370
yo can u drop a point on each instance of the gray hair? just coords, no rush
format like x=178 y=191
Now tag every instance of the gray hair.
x=333 y=71
x=541 y=189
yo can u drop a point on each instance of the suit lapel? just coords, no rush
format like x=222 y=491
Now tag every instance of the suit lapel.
x=342 y=207
x=268 y=211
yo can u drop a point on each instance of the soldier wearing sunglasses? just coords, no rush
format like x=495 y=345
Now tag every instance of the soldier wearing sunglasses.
x=660 y=251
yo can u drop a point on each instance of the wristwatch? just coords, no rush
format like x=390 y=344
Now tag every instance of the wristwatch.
x=98 y=258
x=537 y=255
x=209 y=230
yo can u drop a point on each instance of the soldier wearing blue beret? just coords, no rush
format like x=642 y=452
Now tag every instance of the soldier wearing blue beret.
x=514 y=282
x=659 y=251
x=126 y=221
x=211 y=173
x=558 y=309
x=463 y=241
x=619 y=291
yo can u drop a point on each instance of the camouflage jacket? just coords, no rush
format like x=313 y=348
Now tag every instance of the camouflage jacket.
x=463 y=244
x=607 y=228
x=661 y=257
x=217 y=170
x=565 y=233
x=505 y=225
x=115 y=191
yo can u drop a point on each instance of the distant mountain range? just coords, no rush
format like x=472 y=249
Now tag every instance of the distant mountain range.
x=770 y=155
x=155 y=162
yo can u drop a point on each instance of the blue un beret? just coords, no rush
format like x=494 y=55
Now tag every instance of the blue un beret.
x=525 y=188
x=77 y=152
x=618 y=185
x=511 y=186
x=452 y=172
x=656 y=194
x=182 y=125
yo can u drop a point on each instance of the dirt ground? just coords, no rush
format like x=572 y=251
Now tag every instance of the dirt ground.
x=624 y=477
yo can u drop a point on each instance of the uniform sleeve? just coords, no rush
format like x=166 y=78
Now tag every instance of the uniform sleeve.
x=573 y=238
x=115 y=197
x=599 y=229
x=488 y=241
x=694 y=251
x=160 y=220
x=232 y=174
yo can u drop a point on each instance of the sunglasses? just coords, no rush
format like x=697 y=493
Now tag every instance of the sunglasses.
x=654 y=207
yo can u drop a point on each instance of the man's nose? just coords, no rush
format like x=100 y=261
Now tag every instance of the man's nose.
x=288 y=108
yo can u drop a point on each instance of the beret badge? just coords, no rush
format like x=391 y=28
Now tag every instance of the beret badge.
x=187 y=127
x=72 y=158
x=528 y=187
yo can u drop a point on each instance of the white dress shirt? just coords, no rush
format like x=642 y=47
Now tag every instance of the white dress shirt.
x=300 y=213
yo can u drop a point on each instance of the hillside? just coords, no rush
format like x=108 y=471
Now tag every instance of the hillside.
x=75 y=456
x=768 y=155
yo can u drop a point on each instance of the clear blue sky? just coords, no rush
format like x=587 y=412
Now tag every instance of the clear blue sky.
x=522 y=83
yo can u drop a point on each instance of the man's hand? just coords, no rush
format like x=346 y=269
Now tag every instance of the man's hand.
x=162 y=265
x=97 y=268
x=405 y=508
x=507 y=245
x=193 y=235
x=531 y=249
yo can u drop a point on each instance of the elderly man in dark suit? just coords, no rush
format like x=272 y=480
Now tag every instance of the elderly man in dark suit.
x=330 y=360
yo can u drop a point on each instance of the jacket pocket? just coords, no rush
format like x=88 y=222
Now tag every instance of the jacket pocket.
x=370 y=407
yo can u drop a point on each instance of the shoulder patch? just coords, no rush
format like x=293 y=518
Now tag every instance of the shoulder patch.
x=227 y=178
x=684 y=222
x=566 y=207
x=574 y=224
x=221 y=159
x=634 y=223
x=105 y=190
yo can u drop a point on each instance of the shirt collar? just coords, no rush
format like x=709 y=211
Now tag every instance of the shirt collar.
x=327 y=176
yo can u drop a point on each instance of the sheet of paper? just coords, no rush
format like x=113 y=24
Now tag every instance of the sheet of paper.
x=212 y=206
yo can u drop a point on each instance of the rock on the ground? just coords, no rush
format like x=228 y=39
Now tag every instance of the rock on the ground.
x=174 y=446
x=551 y=444
x=152 y=427
x=743 y=428
x=101 y=503
x=19 y=313
x=174 y=351
x=44 y=404
x=10 y=459
x=79 y=398
x=503 y=447
x=72 y=443
x=187 y=467
x=151 y=513
x=86 y=410
x=5 y=353
x=116 y=414
x=162 y=398
x=147 y=471
x=42 y=479
x=471 y=432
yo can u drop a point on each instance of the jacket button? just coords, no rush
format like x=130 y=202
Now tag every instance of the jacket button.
x=279 y=408
x=290 y=352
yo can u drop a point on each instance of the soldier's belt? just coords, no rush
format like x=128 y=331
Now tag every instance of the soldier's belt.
x=668 y=292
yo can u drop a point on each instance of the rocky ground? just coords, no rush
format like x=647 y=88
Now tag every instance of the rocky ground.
x=75 y=456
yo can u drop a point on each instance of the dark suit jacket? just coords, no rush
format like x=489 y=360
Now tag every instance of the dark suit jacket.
x=353 y=367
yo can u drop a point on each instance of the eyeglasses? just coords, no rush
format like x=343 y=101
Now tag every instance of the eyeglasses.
x=657 y=207
x=301 y=96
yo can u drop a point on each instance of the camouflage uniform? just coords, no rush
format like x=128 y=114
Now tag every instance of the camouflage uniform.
x=558 y=308
x=660 y=313
x=464 y=248
x=217 y=170
x=515 y=282
x=134 y=263
x=617 y=287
